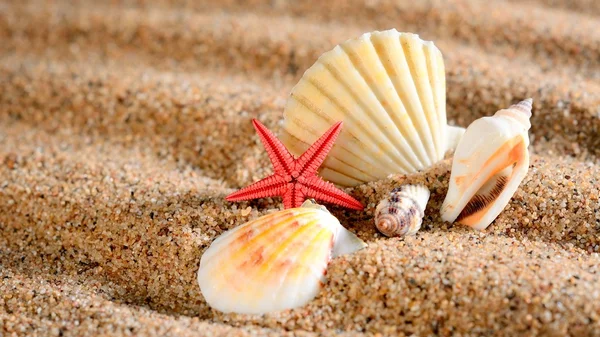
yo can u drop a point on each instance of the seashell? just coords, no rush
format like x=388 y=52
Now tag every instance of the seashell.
x=489 y=163
x=402 y=212
x=275 y=262
x=389 y=89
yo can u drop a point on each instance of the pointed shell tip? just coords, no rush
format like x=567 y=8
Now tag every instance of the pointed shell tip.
x=528 y=102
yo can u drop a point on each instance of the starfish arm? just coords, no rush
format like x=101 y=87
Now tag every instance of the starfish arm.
x=311 y=159
x=270 y=186
x=321 y=190
x=281 y=158
x=294 y=196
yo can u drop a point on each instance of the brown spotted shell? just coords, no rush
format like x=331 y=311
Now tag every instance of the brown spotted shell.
x=401 y=213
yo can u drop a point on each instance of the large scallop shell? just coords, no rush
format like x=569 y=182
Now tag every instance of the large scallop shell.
x=402 y=212
x=275 y=262
x=389 y=89
x=489 y=163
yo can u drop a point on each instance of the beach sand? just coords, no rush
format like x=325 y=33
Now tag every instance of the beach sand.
x=124 y=124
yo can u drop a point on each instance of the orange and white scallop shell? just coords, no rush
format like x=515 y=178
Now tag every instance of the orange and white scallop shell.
x=275 y=262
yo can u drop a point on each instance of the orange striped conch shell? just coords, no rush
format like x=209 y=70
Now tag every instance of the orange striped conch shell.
x=489 y=163
x=275 y=262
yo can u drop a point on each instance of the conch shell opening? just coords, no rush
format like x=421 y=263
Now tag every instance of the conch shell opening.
x=490 y=162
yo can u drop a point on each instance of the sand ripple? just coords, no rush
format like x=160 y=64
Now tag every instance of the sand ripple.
x=123 y=126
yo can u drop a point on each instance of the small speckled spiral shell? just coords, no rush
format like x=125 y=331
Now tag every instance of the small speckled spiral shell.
x=401 y=213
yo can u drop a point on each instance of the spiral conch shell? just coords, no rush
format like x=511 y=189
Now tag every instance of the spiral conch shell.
x=275 y=262
x=402 y=212
x=489 y=163
x=389 y=89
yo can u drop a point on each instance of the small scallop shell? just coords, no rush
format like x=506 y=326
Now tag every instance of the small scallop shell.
x=275 y=262
x=402 y=212
x=489 y=163
x=389 y=89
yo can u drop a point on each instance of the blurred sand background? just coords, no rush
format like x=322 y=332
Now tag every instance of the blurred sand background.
x=124 y=124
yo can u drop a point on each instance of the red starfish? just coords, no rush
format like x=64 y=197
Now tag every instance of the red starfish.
x=296 y=179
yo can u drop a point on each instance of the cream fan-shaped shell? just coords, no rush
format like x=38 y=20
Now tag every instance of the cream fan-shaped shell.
x=275 y=262
x=389 y=89
x=489 y=163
